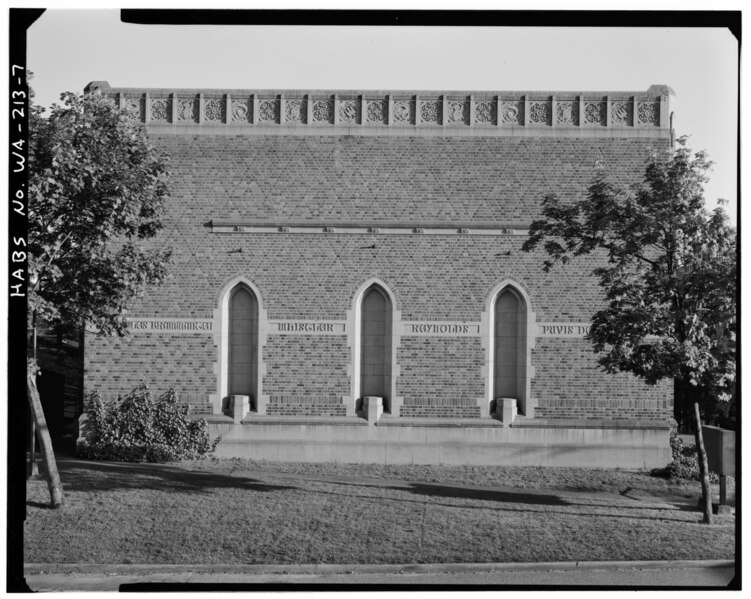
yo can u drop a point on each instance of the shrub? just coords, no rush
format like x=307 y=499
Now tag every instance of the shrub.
x=685 y=464
x=141 y=429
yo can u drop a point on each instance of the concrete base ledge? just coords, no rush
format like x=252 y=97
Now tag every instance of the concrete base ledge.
x=579 y=423
x=305 y=420
x=214 y=418
x=481 y=442
x=367 y=568
x=439 y=422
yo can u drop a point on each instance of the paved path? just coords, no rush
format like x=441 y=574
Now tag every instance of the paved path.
x=61 y=577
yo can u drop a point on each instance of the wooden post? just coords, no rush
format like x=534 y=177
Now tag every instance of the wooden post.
x=53 y=478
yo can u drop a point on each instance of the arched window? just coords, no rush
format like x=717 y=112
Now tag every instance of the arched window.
x=509 y=372
x=509 y=319
x=242 y=343
x=375 y=345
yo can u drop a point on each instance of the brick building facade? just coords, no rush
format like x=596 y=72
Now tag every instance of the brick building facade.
x=330 y=246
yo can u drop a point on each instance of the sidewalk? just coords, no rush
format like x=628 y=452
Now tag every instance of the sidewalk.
x=103 y=577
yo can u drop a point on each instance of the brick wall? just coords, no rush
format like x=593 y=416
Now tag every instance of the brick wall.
x=570 y=384
x=373 y=180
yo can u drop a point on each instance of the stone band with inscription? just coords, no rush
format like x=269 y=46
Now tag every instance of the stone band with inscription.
x=170 y=325
x=302 y=327
x=452 y=329
x=579 y=329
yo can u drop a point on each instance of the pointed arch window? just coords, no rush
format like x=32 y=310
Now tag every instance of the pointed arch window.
x=375 y=369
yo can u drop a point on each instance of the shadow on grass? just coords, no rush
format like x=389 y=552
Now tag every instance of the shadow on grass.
x=434 y=490
x=107 y=476
x=517 y=501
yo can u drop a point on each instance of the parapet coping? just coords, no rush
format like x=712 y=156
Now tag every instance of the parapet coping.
x=400 y=112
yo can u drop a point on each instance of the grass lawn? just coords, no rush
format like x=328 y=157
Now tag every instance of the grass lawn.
x=246 y=512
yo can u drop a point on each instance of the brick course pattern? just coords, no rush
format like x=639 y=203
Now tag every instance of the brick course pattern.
x=334 y=180
x=566 y=364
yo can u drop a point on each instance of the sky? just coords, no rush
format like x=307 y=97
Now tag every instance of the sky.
x=69 y=48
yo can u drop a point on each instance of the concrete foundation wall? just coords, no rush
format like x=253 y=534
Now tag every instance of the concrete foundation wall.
x=492 y=444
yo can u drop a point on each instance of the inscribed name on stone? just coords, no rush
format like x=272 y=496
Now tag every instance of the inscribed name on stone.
x=306 y=327
x=441 y=329
x=171 y=326
x=550 y=329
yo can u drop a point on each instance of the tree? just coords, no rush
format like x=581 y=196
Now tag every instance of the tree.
x=668 y=274
x=96 y=190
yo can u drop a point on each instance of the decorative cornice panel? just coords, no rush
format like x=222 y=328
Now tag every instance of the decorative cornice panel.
x=583 y=114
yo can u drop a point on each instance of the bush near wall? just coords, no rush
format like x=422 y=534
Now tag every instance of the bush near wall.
x=141 y=429
x=685 y=462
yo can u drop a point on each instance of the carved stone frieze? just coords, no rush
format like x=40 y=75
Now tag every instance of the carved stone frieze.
x=595 y=113
x=485 y=112
x=284 y=229
x=213 y=110
x=512 y=113
x=377 y=111
x=431 y=111
x=268 y=111
x=539 y=112
x=323 y=111
x=418 y=230
x=567 y=113
x=161 y=109
x=135 y=106
x=404 y=112
x=241 y=111
x=349 y=112
x=187 y=110
x=373 y=230
x=296 y=111
x=458 y=112
x=622 y=113
x=649 y=113
x=489 y=113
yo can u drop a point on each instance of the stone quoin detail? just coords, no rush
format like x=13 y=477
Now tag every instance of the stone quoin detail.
x=486 y=113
